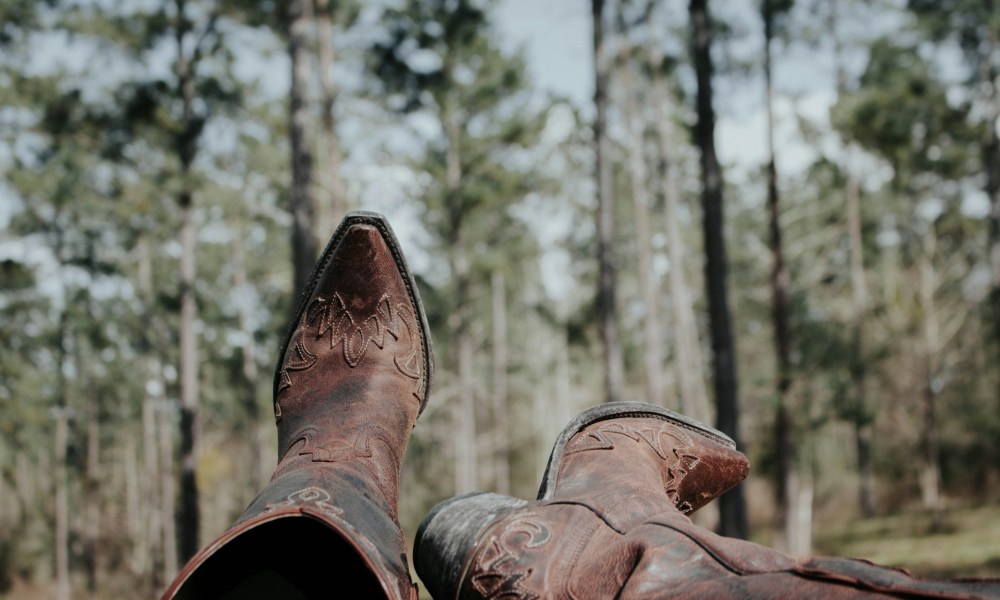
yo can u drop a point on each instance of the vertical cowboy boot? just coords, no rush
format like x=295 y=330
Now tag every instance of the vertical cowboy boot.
x=353 y=375
x=611 y=522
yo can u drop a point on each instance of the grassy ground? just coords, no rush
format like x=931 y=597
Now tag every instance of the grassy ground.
x=964 y=543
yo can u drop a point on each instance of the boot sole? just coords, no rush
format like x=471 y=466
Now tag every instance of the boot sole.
x=616 y=410
x=374 y=219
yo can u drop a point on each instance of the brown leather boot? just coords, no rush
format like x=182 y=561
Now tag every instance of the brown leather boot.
x=610 y=522
x=352 y=377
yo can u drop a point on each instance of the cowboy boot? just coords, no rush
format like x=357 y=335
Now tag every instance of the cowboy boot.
x=352 y=377
x=611 y=522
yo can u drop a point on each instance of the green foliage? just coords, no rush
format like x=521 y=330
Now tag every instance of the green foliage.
x=970 y=23
x=478 y=96
x=901 y=112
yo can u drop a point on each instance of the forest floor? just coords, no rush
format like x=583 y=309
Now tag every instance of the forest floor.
x=963 y=543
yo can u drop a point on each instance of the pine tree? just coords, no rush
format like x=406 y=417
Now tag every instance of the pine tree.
x=732 y=506
x=901 y=112
x=440 y=59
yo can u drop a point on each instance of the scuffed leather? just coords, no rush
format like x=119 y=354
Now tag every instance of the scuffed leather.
x=352 y=377
x=614 y=527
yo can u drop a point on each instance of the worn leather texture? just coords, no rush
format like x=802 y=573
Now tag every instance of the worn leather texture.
x=352 y=377
x=612 y=524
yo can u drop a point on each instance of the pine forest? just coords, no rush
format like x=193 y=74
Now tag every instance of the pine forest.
x=778 y=217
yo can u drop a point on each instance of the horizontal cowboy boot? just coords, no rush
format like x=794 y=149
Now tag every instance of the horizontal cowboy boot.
x=352 y=378
x=611 y=522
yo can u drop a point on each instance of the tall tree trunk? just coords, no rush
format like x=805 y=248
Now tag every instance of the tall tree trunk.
x=26 y=484
x=861 y=412
x=62 y=506
x=687 y=347
x=466 y=451
x=302 y=205
x=92 y=485
x=930 y=478
x=787 y=479
x=248 y=371
x=134 y=514
x=168 y=491
x=151 y=552
x=186 y=148
x=8 y=500
x=190 y=519
x=501 y=428
x=334 y=183
x=859 y=402
x=607 y=312
x=63 y=589
x=990 y=153
x=652 y=339
x=732 y=507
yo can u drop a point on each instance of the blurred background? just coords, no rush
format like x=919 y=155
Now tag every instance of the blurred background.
x=781 y=218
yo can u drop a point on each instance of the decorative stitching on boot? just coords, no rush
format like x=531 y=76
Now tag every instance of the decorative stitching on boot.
x=599 y=439
x=574 y=556
x=495 y=575
x=314 y=496
x=338 y=451
x=333 y=317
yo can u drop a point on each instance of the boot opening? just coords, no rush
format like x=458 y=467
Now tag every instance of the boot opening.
x=289 y=558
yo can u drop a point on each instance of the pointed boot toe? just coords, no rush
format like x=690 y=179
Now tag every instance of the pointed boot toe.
x=353 y=375
x=627 y=454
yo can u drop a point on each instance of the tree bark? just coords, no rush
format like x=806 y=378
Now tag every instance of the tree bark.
x=62 y=413
x=302 y=205
x=8 y=500
x=859 y=300
x=648 y=285
x=732 y=521
x=151 y=550
x=168 y=491
x=190 y=517
x=930 y=478
x=92 y=485
x=990 y=153
x=186 y=148
x=334 y=183
x=501 y=428
x=134 y=514
x=861 y=417
x=248 y=371
x=26 y=485
x=460 y=321
x=687 y=347
x=62 y=506
x=787 y=479
x=607 y=311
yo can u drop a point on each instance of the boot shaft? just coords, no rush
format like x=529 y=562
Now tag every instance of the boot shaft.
x=353 y=375
x=355 y=366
